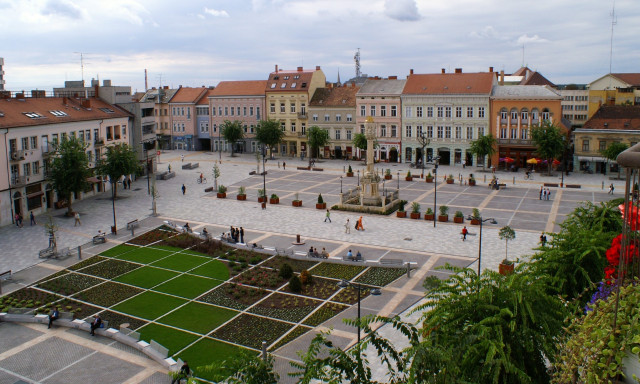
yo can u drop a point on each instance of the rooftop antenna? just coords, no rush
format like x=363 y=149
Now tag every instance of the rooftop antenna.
x=357 y=60
x=81 y=65
x=614 y=21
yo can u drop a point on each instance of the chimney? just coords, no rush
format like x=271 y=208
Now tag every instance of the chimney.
x=527 y=75
x=276 y=68
x=393 y=77
x=411 y=71
x=299 y=69
x=166 y=87
x=502 y=77
x=443 y=70
x=86 y=103
x=65 y=101
x=37 y=93
x=20 y=95
x=458 y=70
x=317 y=67
x=97 y=87
x=490 y=69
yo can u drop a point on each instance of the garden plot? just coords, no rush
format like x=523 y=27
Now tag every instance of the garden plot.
x=234 y=296
x=285 y=307
x=251 y=330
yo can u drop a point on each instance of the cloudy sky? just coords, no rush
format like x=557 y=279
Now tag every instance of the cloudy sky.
x=201 y=42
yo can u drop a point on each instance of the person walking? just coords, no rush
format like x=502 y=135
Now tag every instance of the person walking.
x=359 y=226
x=77 y=220
x=184 y=189
x=327 y=216
x=169 y=168
x=242 y=235
x=284 y=166
x=548 y=194
x=543 y=239
x=347 y=227
x=33 y=218
x=182 y=158
x=464 y=233
x=17 y=219
x=541 y=192
x=611 y=189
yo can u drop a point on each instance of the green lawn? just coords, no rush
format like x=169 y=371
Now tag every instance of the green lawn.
x=180 y=262
x=118 y=250
x=146 y=277
x=205 y=352
x=214 y=269
x=170 y=338
x=149 y=305
x=166 y=248
x=144 y=255
x=188 y=286
x=197 y=317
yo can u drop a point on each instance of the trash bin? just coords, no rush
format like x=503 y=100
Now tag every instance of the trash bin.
x=113 y=230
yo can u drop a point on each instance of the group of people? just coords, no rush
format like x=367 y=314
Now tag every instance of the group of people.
x=543 y=239
x=95 y=323
x=126 y=183
x=351 y=257
x=235 y=235
x=313 y=252
x=545 y=193
x=494 y=183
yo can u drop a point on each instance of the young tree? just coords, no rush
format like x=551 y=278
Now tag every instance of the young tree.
x=612 y=152
x=70 y=169
x=317 y=137
x=360 y=141
x=506 y=233
x=118 y=161
x=269 y=133
x=484 y=146
x=244 y=368
x=232 y=132
x=549 y=140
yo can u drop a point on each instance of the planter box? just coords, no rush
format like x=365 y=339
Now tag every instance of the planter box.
x=274 y=201
x=428 y=179
x=506 y=269
x=349 y=174
x=450 y=181
x=444 y=218
x=402 y=214
x=475 y=222
x=297 y=203
x=458 y=220
x=262 y=199
x=415 y=215
x=388 y=177
x=241 y=197
x=321 y=206
x=222 y=195
x=409 y=178
x=429 y=217
x=472 y=183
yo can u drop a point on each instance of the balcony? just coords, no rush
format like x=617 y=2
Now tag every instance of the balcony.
x=516 y=141
x=18 y=181
x=47 y=152
x=98 y=142
x=17 y=155
x=302 y=115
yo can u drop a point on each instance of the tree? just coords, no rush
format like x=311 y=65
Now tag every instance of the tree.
x=506 y=233
x=360 y=141
x=317 y=137
x=70 y=169
x=269 y=133
x=550 y=141
x=613 y=150
x=244 y=368
x=484 y=146
x=232 y=132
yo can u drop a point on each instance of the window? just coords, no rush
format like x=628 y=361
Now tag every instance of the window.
x=383 y=131
x=447 y=112
x=293 y=85
x=603 y=145
x=407 y=111
x=534 y=116
x=363 y=110
x=394 y=111
x=315 y=117
x=81 y=135
x=226 y=111
x=326 y=117
x=373 y=110
x=447 y=132
x=480 y=131
x=514 y=133
x=349 y=135
x=58 y=113
x=338 y=117
x=440 y=112
x=349 y=117
x=54 y=138
x=394 y=131
x=383 y=110
x=213 y=111
x=272 y=108
x=250 y=111
x=303 y=128
x=337 y=134
x=524 y=133
x=283 y=85
x=469 y=112
x=546 y=115
x=293 y=126
x=258 y=113
x=26 y=167
x=458 y=111
x=419 y=130
x=481 y=112
x=232 y=108
x=215 y=128
x=503 y=133
x=25 y=143
x=273 y=85
x=430 y=131
x=293 y=108
x=418 y=111
x=303 y=108
x=585 y=145
x=282 y=108
x=36 y=166
x=440 y=132
x=429 y=111
x=407 y=131
x=469 y=133
x=244 y=111
x=362 y=129
x=283 y=127
x=34 y=142
x=459 y=132
x=525 y=116
x=514 y=115
x=182 y=111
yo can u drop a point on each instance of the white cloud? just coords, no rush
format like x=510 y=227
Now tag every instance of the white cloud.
x=525 y=39
x=402 y=10
x=63 y=8
x=199 y=16
x=216 y=13
x=488 y=32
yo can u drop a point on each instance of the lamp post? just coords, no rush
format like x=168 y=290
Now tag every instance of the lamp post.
x=340 y=184
x=219 y=145
x=374 y=292
x=435 y=187
x=358 y=177
x=424 y=141
x=264 y=176
x=492 y=221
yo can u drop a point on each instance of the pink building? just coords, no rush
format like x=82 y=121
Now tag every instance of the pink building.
x=183 y=124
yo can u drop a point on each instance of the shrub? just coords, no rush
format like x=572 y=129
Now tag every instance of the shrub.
x=320 y=199
x=458 y=214
x=415 y=207
x=285 y=271
x=475 y=213
x=402 y=204
x=306 y=277
x=261 y=193
x=274 y=196
x=241 y=190
x=350 y=170
x=450 y=177
x=387 y=172
x=295 y=284
x=444 y=210
x=429 y=176
x=222 y=189
x=408 y=173
x=429 y=211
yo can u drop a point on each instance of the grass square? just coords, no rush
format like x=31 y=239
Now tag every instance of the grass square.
x=180 y=262
x=144 y=255
x=197 y=317
x=146 y=277
x=188 y=286
x=118 y=250
x=207 y=351
x=169 y=338
x=149 y=305
x=214 y=268
x=166 y=248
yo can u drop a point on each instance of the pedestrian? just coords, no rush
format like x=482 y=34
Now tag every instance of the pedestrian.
x=77 y=219
x=169 y=168
x=541 y=191
x=548 y=194
x=182 y=374
x=53 y=316
x=129 y=183
x=33 y=218
x=201 y=176
x=544 y=194
x=543 y=239
x=17 y=220
x=95 y=324
x=184 y=189
x=284 y=165
x=611 y=189
x=359 y=226
x=327 y=216
x=242 y=235
x=464 y=233
x=347 y=227
x=182 y=158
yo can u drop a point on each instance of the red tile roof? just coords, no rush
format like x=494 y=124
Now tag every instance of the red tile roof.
x=12 y=111
x=188 y=95
x=535 y=78
x=289 y=81
x=240 y=88
x=449 y=83
x=615 y=117
x=204 y=99
x=344 y=96
x=630 y=78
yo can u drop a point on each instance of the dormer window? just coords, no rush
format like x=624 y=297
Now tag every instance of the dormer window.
x=58 y=113
x=276 y=77
x=296 y=76
x=286 y=77
x=283 y=85
x=304 y=85
x=107 y=110
x=33 y=115
x=293 y=85
x=273 y=85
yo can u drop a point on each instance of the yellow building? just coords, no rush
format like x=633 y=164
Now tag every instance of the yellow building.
x=614 y=89
x=287 y=96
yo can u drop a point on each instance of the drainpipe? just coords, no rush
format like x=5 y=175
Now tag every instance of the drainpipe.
x=4 y=132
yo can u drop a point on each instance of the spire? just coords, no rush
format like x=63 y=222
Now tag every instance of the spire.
x=339 y=83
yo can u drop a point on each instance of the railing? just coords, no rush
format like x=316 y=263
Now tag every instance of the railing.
x=98 y=142
x=17 y=181
x=515 y=141
x=302 y=115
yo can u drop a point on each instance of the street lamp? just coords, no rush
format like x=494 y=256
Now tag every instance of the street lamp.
x=358 y=177
x=492 y=221
x=219 y=144
x=424 y=141
x=374 y=292
x=398 y=180
x=264 y=177
x=435 y=186
x=340 y=184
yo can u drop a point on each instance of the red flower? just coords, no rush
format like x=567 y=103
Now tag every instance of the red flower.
x=609 y=272
x=633 y=218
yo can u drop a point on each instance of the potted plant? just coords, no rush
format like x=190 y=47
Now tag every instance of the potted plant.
x=296 y=202
x=387 y=174
x=241 y=194
x=444 y=213
x=222 y=191
x=415 y=210
x=472 y=180
x=429 y=215
x=475 y=216
x=409 y=177
x=428 y=178
x=262 y=198
x=274 y=199
x=450 y=179
x=506 y=266
x=321 y=204
x=458 y=217
x=401 y=212
x=350 y=171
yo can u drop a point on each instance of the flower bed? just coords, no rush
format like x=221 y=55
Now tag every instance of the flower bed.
x=52 y=276
x=79 y=310
x=349 y=295
x=26 y=298
x=260 y=277
x=70 y=283
x=320 y=288
x=242 y=256
x=183 y=240
x=116 y=319
x=108 y=294
x=86 y=263
x=161 y=233
x=294 y=334
x=252 y=330
x=324 y=313
x=277 y=262
x=234 y=267
x=285 y=307
x=337 y=271
x=234 y=296
x=380 y=276
x=110 y=268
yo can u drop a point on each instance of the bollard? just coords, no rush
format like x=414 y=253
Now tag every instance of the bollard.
x=132 y=233
x=298 y=239
x=278 y=164
x=514 y=180
x=343 y=169
x=79 y=252
x=264 y=351
x=409 y=270
x=485 y=178
x=603 y=184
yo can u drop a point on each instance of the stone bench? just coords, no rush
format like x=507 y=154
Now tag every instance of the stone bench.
x=551 y=185
x=355 y=258
x=577 y=186
x=303 y=168
x=46 y=253
x=168 y=175
x=397 y=262
x=99 y=239
x=318 y=169
x=133 y=224
x=186 y=166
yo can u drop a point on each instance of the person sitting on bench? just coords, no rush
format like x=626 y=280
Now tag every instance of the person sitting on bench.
x=205 y=233
x=358 y=256
x=55 y=315
x=350 y=255
x=95 y=324
x=187 y=228
x=315 y=252
x=324 y=254
x=310 y=252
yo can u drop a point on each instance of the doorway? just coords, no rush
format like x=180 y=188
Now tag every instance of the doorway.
x=393 y=155
x=445 y=156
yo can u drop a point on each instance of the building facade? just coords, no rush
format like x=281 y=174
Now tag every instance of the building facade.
x=184 y=122
x=160 y=98
x=614 y=89
x=575 y=104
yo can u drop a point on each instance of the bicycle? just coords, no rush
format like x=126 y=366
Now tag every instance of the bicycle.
x=201 y=181
x=528 y=177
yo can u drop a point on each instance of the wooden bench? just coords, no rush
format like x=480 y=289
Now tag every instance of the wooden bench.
x=99 y=239
x=318 y=169
x=573 y=186
x=551 y=185
x=186 y=166
x=46 y=253
x=303 y=168
x=133 y=224
x=6 y=275
x=502 y=186
x=391 y=262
